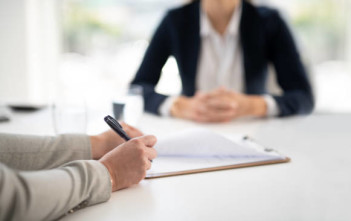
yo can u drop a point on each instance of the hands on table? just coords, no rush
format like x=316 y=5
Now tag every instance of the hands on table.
x=219 y=105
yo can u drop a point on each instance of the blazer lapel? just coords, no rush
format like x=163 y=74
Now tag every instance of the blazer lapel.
x=190 y=43
x=252 y=46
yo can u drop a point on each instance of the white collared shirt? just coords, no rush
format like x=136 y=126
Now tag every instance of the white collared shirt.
x=220 y=61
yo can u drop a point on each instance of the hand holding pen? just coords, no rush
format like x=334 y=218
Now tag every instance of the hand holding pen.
x=108 y=140
x=115 y=126
x=128 y=163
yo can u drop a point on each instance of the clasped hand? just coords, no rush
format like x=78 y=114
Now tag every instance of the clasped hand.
x=219 y=105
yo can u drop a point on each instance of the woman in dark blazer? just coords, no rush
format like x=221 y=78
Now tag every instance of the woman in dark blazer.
x=263 y=39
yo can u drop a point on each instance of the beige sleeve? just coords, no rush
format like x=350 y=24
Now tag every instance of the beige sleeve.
x=49 y=194
x=26 y=152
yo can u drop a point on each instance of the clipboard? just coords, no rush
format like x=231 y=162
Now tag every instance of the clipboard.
x=260 y=155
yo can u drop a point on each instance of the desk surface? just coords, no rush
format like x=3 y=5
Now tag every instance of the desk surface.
x=316 y=185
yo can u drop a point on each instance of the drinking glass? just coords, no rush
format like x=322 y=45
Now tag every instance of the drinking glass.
x=134 y=105
x=118 y=106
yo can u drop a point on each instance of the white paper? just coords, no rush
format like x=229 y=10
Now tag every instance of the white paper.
x=197 y=143
x=200 y=148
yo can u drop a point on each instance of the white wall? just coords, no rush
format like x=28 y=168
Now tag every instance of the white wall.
x=29 y=50
x=12 y=48
x=348 y=43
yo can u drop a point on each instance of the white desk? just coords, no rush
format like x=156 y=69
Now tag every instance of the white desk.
x=316 y=185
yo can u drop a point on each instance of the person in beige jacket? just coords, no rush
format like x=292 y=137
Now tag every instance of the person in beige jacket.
x=45 y=178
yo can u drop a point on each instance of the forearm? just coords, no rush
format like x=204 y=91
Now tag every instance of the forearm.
x=291 y=73
x=33 y=152
x=152 y=99
x=47 y=195
x=295 y=102
x=149 y=72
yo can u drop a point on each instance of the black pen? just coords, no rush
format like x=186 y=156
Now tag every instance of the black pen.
x=113 y=123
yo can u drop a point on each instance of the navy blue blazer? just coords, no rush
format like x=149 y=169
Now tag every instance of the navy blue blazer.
x=265 y=38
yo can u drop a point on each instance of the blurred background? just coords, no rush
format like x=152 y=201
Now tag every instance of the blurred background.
x=92 y=48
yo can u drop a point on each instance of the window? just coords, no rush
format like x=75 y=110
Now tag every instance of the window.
x=104 y=42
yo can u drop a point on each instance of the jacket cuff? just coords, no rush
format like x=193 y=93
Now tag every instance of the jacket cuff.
x=103 y=186
x=272 y=106
x=165 y=107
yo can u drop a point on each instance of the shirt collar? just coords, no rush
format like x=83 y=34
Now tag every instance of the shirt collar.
x=206 y=28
